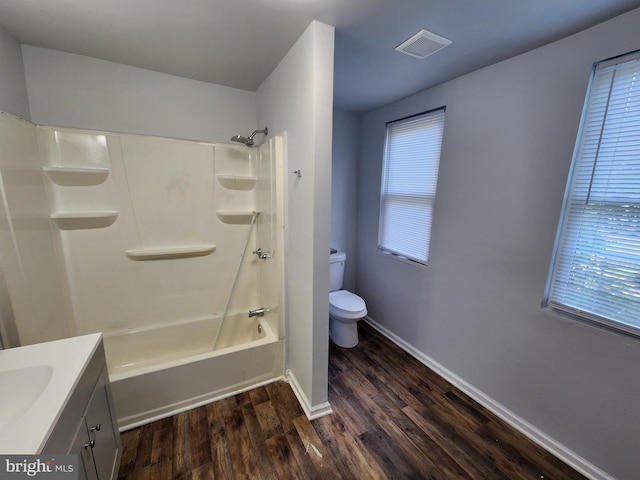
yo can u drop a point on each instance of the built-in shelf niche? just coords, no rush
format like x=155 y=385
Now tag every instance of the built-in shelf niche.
x=76 y=176
x=235 y=216
x=171 y=252
x=237 y=182
x=83 y=220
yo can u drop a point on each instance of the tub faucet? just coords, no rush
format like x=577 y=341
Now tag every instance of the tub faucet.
x=259 y=312
x=262 y=254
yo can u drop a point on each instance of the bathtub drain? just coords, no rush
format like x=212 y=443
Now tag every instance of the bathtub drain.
x=259 y=328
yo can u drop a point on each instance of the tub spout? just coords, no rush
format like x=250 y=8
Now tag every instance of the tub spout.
x=259 y=312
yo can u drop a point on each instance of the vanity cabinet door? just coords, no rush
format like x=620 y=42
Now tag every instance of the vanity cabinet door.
x=80 y=445
x=88 y=425
x=103 y=431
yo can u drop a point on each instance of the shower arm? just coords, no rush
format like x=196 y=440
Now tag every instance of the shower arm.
x=264 y=130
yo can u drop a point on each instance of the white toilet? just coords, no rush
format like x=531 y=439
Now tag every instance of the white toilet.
x=345 y=308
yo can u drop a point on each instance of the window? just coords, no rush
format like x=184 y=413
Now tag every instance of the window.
x=595 y=272
x=409 y=177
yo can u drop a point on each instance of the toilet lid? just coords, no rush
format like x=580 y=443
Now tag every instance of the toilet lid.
x=345 y=301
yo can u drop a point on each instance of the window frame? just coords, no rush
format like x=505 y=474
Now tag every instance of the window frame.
x=424 y=199
x=554 y=305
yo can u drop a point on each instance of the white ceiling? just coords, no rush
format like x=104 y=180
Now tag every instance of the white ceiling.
x=239 y=42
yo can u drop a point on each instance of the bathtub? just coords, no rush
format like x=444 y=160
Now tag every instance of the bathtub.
x=160 y=371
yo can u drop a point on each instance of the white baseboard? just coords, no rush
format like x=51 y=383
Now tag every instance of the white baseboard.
x=311 y=411
x=538 y=436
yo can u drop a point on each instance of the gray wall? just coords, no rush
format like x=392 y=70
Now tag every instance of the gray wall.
x=13 y=87
x=475 y=309
x=297 y=99
x=344 y=190
x=69 y=90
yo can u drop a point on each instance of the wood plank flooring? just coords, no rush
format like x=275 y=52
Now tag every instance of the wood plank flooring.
x=393 y=418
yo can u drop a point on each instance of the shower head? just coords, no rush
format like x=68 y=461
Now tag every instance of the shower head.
x=248 y=141
x=240 y=139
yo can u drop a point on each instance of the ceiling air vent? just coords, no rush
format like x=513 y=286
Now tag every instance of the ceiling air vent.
x=423 y=44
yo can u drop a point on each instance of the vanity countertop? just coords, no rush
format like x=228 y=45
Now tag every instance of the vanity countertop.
x=36 y=382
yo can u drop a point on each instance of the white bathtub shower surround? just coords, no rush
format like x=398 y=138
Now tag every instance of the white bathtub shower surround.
x=138 y=237
x=159 y=372
x=150 y=234
x=147 y=233
x=119 y=200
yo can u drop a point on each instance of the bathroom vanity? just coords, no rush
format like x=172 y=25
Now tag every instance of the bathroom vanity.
x=56 y=399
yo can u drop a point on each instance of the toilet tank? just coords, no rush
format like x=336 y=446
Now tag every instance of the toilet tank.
x=336 y=270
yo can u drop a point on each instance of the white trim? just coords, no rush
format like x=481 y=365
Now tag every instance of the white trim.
x=530 y=431
x=311 y=411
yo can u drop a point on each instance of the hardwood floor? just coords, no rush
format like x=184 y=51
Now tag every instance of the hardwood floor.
x=393 y=419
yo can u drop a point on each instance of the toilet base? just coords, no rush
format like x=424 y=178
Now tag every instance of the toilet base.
x=343 y=334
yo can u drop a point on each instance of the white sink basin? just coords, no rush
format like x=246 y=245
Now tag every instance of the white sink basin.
x=36 y=382
x=21 y=387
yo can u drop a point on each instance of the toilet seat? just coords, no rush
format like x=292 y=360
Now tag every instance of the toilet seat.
x=347 y=305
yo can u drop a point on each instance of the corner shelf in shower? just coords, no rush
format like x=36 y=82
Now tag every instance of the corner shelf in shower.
x=82 y=220
x=171 y=252
x=235 y=216
x=76 y=176
x=237 y=182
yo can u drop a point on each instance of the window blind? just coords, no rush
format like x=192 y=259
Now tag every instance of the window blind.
x=596 y=269
x=410 y=174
